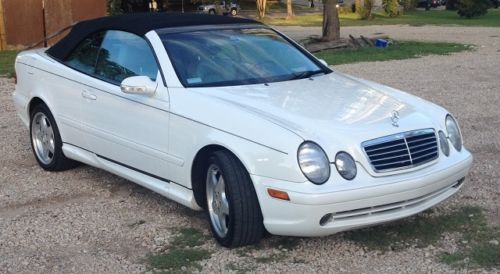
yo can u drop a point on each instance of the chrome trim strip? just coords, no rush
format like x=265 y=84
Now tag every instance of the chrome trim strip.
x=409 y=152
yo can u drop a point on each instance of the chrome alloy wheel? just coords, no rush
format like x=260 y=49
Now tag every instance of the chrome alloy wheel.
x=218 y=206
x=42 y=137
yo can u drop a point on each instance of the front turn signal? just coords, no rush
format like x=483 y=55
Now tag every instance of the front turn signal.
x=278 y=194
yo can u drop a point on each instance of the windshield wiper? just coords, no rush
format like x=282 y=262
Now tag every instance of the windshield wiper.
x=306 y=74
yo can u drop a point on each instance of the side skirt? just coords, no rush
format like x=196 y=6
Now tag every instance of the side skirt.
x=167 y=189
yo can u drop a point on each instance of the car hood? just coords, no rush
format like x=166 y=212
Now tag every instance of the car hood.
x=328 y=105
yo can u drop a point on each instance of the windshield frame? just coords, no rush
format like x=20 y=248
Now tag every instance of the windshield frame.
x=165 y=31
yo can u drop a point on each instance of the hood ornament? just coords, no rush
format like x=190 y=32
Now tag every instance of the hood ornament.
x=395 y=118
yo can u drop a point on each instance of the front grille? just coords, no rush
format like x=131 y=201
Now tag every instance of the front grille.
x=402 y=150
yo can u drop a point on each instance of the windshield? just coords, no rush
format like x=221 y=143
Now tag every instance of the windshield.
x=226 y=57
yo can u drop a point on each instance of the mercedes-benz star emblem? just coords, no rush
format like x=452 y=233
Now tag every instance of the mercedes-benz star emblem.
x=395 y=118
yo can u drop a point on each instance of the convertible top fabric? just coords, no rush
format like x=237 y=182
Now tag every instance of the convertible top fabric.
x=139 y=24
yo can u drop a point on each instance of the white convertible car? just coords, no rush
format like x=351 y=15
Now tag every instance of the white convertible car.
x=228 y=115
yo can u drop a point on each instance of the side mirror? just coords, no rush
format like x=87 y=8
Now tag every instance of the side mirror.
x=141 y=85
x=323 y=62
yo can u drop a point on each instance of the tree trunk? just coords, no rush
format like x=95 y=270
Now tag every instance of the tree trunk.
x=289 y=11
x=331 y=24
x=261 y=8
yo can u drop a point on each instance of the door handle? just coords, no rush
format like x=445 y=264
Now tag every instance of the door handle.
x=88 y=95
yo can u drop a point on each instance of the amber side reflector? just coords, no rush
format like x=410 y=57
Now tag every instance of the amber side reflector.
x=278 y=194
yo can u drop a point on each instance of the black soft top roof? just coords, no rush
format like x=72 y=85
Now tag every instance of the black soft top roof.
x=138 y=23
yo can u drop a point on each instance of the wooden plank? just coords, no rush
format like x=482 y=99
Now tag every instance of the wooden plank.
x=368 y=41
x=354 y=41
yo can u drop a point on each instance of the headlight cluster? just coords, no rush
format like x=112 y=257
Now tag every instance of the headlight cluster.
x=315 y=165
x=345 y=165
x=443 y=143
x=452 y=134
x=313 y=162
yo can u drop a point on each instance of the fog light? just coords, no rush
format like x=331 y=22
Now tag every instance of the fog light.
x=326 y=219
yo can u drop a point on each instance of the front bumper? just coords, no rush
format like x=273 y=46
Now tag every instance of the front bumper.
x=398 y=197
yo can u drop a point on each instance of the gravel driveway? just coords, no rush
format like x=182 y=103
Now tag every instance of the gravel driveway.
x=88 y=221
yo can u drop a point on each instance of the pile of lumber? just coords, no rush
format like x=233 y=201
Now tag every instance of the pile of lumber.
x=314 y=43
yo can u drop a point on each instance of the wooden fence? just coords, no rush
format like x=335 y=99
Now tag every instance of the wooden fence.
x=23 y=22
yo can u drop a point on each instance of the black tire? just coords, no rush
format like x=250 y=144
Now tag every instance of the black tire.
x=234 y=12
x=212 y=11
x=59 y=162
x=244 y=221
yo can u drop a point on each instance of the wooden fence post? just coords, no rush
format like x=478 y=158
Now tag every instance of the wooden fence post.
x=3 y=35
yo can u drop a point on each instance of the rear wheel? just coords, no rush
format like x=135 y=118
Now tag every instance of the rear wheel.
x=232 y=205
x=234 y=12
x=46 y=141
x=212 y=11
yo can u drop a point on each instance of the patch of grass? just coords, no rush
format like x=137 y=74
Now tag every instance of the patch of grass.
x=240 y=267
x=419 y=231
x=189 y=237
x=416 y=18
x=299 y=261
x=183 y=251
x=7 y=58
x=485 y=254
x=174 y=259
x=397 y=51
x=246 y=251
x=452 y=259
x=273 y=258
x=288 y=243
x=423 y=230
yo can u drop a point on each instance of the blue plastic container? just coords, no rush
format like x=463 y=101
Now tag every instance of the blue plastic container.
x=381 y=43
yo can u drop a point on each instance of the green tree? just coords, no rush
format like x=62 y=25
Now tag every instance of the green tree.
x=472 y=8
x=364 y=8
x=391 y=7
x=114 y=7
x=289 y=10
x=451 y=4
x=409 y=5
x=331 y=23
x=261 y=8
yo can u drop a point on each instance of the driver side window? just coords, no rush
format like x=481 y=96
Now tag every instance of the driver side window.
x=84 y=56
x=124 y=55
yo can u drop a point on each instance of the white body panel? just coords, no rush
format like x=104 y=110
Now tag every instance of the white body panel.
x=153 y=140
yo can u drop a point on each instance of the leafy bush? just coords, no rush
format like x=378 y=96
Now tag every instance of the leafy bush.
x=409 y=5
x=345 y=10
x=114 y=7
x=472 y=8
x=391 y=7
x=451 y=4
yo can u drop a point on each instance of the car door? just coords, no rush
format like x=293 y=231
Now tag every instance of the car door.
x=127 y=129
x=66 y=86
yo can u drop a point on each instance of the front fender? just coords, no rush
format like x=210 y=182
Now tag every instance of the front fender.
x=265 y=148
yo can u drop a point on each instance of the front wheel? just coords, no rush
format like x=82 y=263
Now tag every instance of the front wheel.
x=232 y=205
x=234 y=12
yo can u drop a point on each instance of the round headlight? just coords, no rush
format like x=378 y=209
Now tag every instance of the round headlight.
x=453 y=132
x=313 y=162
x=443 y=143
x=345 y=165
